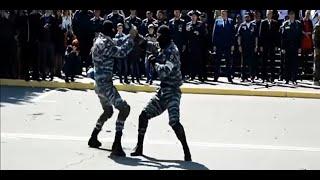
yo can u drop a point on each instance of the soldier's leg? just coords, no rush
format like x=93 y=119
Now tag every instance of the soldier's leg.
x=287 y=67
x=107 y=113
x=227 y=54
x=174 y=122
x=155 y=107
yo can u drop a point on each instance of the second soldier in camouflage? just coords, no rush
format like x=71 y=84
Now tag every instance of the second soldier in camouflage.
x=104 y=50
x=167 y=64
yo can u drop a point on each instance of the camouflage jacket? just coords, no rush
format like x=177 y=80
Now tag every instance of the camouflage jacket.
x=104 y=51
x=168 y=66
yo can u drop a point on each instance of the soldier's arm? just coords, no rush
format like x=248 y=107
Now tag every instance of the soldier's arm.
x=152 y=47
x=164 y=69
x=122 y=50
x=213 y=33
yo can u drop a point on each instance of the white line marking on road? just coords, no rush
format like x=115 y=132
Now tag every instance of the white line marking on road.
x=162 y=142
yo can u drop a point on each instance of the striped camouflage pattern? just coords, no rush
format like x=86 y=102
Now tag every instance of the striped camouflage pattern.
x=169 y=94
x=104 y=51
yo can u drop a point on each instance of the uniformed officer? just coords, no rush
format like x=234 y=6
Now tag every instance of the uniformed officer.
x=132 y=19
x=196 y=42
x=96 y=23
x=115 y=17
x=291 y=36
x=258 y=54
x=177 y=27
x=161 y=18
x=104 y=51
x=316 y=42
x=223 y=40
x=145 y=23
x=167 y=65
x=248 y=45
x=269 y=44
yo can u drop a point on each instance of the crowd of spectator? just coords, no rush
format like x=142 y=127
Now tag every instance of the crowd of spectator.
x=43 y=44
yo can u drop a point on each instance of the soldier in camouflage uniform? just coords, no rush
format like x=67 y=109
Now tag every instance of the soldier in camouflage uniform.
x=167 y=65
x=104 y=51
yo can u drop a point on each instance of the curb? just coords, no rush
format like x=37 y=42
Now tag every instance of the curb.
x=146 y=88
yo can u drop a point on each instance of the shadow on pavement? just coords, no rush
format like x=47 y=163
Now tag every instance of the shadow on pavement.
x=157 y=163
x=19 y=95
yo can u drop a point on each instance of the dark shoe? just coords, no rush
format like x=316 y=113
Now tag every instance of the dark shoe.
x=150 y=83
x=66 y=80
x=126 y=81
x=94 y=143
x=138 y=150
x=72 y=79
x=230 y=80
x=287 y=82
x=116 y=146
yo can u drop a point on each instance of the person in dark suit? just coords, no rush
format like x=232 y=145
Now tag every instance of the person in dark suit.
x=291 y=38
x=269 y=44
x=196 y=40
x=248 y=45
x=223 y=40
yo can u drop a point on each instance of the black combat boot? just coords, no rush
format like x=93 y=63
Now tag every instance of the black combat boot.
x=116 y=146
x=93 y=141
x=138 y=150
x=179 y=131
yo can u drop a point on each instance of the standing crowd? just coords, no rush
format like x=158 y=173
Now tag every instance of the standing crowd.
x=266 y=44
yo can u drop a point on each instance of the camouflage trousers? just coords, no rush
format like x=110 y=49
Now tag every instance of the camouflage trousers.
x=109 y=96
x=165 y=98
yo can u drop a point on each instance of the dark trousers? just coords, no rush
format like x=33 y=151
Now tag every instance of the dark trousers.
x=135 y=69
x=122 y=68
x=226 y=53
x=291 y=64
x=29 y=55
x=268 y=57
x=196 y=58
x=47 y=59
x=317 y=64
x=184 y=63
x=248 y=64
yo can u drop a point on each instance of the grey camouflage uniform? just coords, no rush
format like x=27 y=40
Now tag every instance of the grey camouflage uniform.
x=104 y=51
x=169 y=94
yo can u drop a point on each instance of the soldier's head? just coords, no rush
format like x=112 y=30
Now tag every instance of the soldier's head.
x=97 y=13
x=151 y=28
x=307 y=14
x=224 y=14
x=247 y=17
x=164 y=36
x=48 y=12
x=58 y=13
x=66 y=12
x=133 y=12
x=269 y=14
x=115 y=11
x=119 y=27
x=257 y=15
x=107 y=28
x=194 y=15
x=160 y=14
x=291 y=15
x=149 y=14
x=177 y=13
x=75 y=45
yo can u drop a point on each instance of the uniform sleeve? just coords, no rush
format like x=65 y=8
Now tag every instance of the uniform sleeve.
x=164 y=70
x=152 y=47
x=283 y=36
x=233 y=34
x=120 y=51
